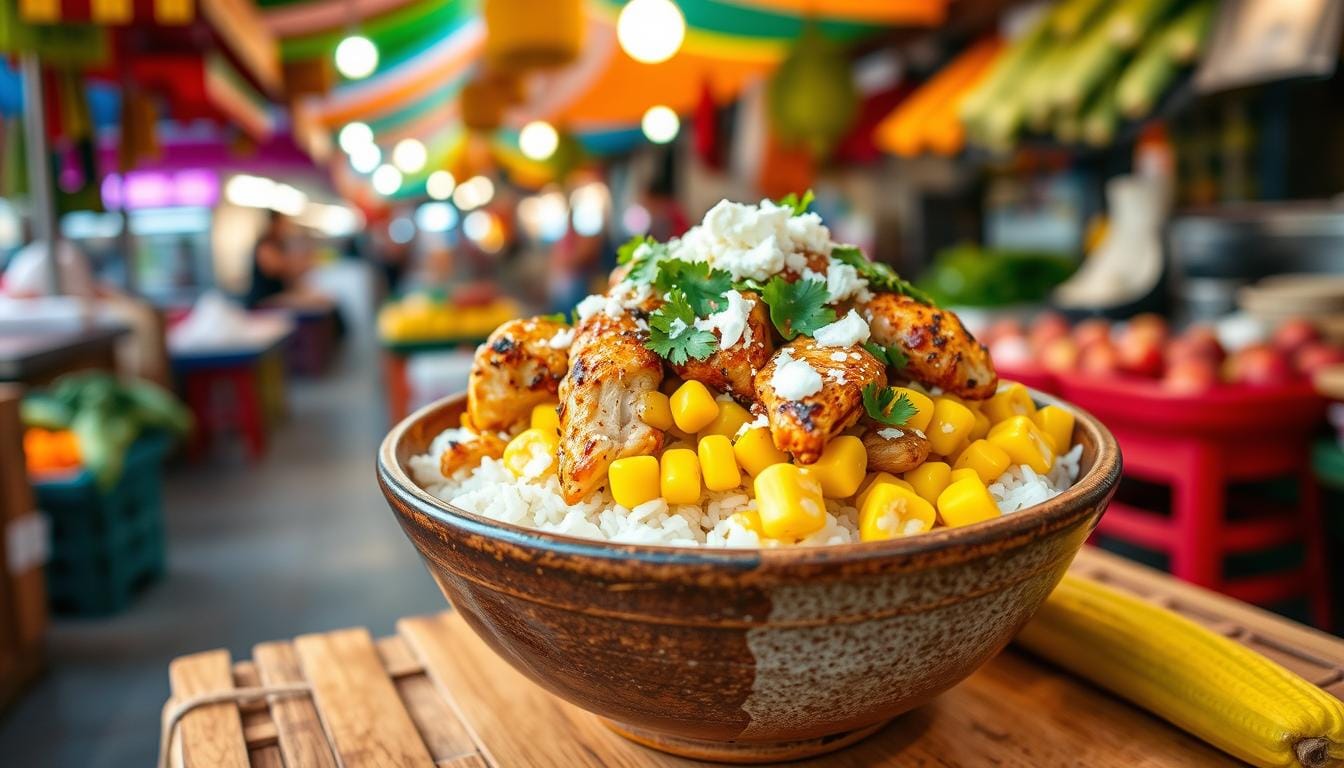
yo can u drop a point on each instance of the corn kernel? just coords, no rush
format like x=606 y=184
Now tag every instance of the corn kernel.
x=634 y=480
x=890 y=511
x=1057 y=424
x=966 y=501
x=749 y=519
x=961 y=474
x=655 y=410
x=923 y=407
x=981 y=427
x=987 y=459
x=841 y=468
x=718 y=465
x=952 y=423
x=545 y=416
x=532 y=453
x=1022 y=441
x=693 y=407
x=876 y=479
x=1011 y=400
x=680 y=476
x=789 y=501
x=952 y=457
x=929 y=479
x=756 y=450
x=730 y=419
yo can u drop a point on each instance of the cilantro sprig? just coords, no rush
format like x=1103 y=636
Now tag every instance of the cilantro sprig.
x=884 y=406
x=672 y=332
x=892 y=356
x=703 y=286
x=799 y=205
x=645 y=256
x=797 y=307
x=880 y=277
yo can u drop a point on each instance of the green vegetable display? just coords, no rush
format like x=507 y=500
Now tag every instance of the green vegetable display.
x=969 y=276
x=107 y=415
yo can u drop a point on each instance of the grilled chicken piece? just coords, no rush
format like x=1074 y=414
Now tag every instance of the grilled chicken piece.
x=610 y=370
x=514 y=370
x=734 y=369
x=942 y=352
x=894 y=449
x=469 y=452
x=803 y=427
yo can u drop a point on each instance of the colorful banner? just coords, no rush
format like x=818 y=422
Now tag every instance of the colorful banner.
x=166 y=13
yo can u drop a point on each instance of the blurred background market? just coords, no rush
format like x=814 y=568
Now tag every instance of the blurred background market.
x=240 y=238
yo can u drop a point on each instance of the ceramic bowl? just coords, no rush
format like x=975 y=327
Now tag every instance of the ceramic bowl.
x=745 y=655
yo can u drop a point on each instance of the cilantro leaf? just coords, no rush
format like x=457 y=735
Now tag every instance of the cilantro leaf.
x=556 y=317
x=797 y=307
x=704 y=287
x=880 y=277
x=748 y=284
x=646 y=259
x=892 y=356
x=626 y=252
x=798 y=204
x=885 y=407
x=673 y=335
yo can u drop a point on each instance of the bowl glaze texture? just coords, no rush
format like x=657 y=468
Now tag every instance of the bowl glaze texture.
x=745 y=655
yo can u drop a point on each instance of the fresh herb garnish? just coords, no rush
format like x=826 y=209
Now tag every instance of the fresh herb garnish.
x=556 y=317
x=703 y=286
x=672 y=332
x=892 y=356
x=797 y=307
x=644 y=255
x=748 y=284
x=880 y=277
x=883 y=405
x=799 y=205
x=626 y=252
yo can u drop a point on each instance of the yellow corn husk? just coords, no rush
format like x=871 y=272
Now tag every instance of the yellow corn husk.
x=1212 y=687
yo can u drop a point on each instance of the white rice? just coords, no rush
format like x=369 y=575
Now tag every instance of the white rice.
x=492 y=491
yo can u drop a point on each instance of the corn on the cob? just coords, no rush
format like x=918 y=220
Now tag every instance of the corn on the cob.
x=1204 y=683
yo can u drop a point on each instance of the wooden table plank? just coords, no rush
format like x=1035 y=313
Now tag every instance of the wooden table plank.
x=440 y=728
x=298 y=728
x=210 y=736
x=357 y=701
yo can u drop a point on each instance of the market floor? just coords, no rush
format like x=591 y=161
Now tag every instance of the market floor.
x=302 y=542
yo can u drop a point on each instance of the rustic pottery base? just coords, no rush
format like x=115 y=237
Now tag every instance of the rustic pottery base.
x=743 y=752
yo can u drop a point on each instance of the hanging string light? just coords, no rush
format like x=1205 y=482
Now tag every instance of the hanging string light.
x=538 y=140
x=660 y=124
x=356 y=55
x=409 y=155
x=650 y=31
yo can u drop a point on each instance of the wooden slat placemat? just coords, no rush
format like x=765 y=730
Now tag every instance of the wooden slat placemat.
x=435 y=695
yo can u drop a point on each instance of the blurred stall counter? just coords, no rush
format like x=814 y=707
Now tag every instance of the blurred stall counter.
x=419 y=326
x=235 y=379
x=36 y=355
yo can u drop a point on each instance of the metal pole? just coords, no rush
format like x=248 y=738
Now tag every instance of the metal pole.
x=45 y=227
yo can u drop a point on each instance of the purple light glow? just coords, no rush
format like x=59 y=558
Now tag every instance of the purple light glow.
x=196 y=187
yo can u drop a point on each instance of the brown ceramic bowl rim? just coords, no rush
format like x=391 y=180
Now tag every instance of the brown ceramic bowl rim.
x=1075 y=503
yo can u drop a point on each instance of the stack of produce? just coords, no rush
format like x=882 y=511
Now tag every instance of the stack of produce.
x=103 y=415
x=420 y=317
x=1193 y=361
x=970 y=276
x=1083 y=68
x=928 y=120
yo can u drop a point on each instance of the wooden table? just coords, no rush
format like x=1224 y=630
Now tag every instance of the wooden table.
x=36 y=356
x=434 y=694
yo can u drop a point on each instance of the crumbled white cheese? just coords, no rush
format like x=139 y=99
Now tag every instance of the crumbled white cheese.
x=845 y=332
x=920 y=434
x=753 y=241
x=562 y=339
x=759 y=421
x=839 y=357
x=890 y=433
x=947 y=428
x=730 y=322
x=843 y=282
x=624 y=295
x=836 y=375
x=794 y=379
x=676 y=328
